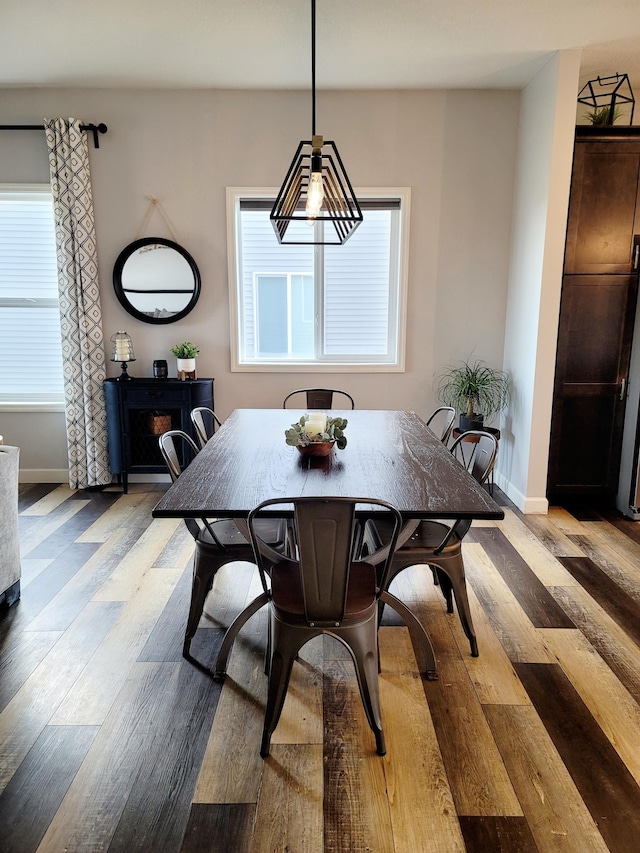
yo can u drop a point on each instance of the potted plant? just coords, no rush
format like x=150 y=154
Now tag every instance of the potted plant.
x=186 y=353
x=476 y=390
x=315 y=434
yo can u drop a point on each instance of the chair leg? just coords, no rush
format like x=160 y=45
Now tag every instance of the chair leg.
x=220 y=669
x=410 y=618
x=451 y=574
x=362 y=641
x=284 y=649
x=203 y=574
x=441 y=579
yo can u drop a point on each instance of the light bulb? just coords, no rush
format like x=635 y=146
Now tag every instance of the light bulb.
x=315 y=195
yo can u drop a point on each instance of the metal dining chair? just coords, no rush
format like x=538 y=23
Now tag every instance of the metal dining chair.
x=440 y=422
x=321 y=398
x=438 y=544
x=217 y=542
x=205 y=422
x=321 y=590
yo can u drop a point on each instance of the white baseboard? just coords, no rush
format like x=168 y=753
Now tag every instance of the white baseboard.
x=527 y=505
x=61 y=475
x=44 y=475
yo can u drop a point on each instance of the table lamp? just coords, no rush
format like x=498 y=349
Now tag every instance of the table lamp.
x=122 y=352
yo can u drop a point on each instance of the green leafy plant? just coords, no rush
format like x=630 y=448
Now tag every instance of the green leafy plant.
x=297 y=437
x=185 y=350
x=474 y=389
x=603 y=115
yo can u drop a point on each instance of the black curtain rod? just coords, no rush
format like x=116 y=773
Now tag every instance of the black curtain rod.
x=95 y=129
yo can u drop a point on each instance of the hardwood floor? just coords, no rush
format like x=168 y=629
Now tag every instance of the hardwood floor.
x=110 y=741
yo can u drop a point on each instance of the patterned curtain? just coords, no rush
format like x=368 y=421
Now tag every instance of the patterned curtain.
x=80 y=315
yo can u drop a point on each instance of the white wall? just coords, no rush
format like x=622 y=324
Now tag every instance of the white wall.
x=540 y=211
x=456 y=150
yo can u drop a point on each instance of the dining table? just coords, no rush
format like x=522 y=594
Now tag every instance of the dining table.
x=389 y=455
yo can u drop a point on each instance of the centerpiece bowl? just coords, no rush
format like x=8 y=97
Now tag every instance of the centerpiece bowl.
x=316 y=448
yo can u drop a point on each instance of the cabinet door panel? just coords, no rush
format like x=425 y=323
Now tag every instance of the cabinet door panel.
x=594 y=345
x=604 y=212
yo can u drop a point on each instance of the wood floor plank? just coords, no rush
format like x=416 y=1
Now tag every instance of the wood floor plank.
x=607 y=787
x=30 y=710
x=423 y=815
x=231 y=771
x=478 y=779
x=290 y=809
x=124 y=510
x=511 y=624
x=63 y=608
x=30 y=493
x=53 y=580
x=622 y=607
x=535 y=600
x=497 y=834
x=20 y=656
x=492 y=674
x=156 y=812
x=92 y=695
x=534 y=548
x=126 y=578
x=553 y=532
x=617 y=713
x=556 y=814
x=356 y=809
x=612 y=643
x=47 y=503
x=121 y=764
x=564 y=521
x=33 y=796
x=30 y=569
x=621 y=565
x=219 y=828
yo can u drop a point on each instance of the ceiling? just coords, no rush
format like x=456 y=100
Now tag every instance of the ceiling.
x=361 y=44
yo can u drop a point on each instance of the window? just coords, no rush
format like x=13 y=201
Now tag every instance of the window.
x=315 y=307
x=30 y=341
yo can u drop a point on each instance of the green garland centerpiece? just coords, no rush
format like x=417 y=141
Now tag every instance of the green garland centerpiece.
x=312 y=429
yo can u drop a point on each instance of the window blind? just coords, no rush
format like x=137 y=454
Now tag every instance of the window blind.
x=30 y=341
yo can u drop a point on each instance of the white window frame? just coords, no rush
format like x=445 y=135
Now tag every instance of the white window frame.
x=50 y=402
x=398 y=308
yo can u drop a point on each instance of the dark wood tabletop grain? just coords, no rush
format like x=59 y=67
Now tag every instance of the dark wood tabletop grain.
x=390 y=455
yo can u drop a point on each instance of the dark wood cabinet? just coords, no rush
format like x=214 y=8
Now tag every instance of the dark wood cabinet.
x=139 y=410
x=597 y=311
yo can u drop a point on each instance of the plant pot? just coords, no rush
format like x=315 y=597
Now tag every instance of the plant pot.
x=475 y=422
x=316 y=448
x=186 y=368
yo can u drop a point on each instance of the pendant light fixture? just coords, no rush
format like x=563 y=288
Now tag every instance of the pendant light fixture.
x=316 y=188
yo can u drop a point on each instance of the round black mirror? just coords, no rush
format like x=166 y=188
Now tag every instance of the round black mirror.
x=156 y=280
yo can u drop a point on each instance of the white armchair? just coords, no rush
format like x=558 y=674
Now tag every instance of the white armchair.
x=9 y=537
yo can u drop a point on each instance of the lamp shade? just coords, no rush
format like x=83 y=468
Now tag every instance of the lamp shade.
x=122 y=347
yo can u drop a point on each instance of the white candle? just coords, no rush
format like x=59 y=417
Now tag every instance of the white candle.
x=316 y=424
x=122 y=350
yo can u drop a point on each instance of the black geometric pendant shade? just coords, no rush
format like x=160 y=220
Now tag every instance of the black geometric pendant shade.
x=316 y=187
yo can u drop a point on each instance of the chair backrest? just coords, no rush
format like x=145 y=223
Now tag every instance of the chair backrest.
x=477 y=450
x=177 y=449
x=321 y=398
x=325 y=530
x=205 y=422
x=441 y=422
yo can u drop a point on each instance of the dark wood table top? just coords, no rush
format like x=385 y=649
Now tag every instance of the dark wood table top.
x=389 y=455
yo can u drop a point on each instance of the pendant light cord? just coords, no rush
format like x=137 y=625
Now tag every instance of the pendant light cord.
x=313 y=67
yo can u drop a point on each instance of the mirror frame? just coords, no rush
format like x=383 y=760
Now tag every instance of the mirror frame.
x=122 y=258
